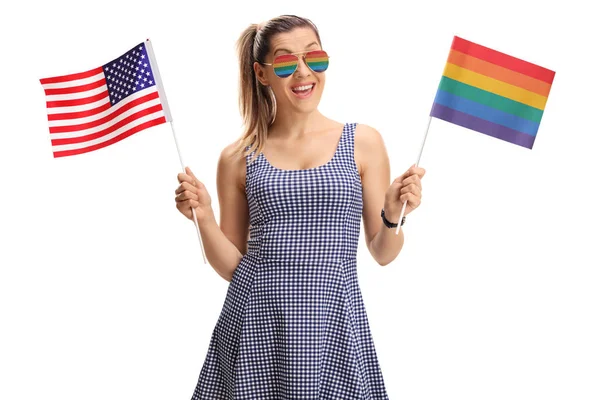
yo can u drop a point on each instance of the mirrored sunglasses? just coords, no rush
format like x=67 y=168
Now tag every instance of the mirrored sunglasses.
x=286 y=64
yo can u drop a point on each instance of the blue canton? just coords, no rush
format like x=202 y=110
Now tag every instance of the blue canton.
x=128 y=74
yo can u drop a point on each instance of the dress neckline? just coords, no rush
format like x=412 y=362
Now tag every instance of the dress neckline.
x=331 y=160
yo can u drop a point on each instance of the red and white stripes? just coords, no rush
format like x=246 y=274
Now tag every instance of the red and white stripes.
x=82 y=119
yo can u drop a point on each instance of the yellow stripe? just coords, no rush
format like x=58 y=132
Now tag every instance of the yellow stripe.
x=495 y=86
x=285 y=64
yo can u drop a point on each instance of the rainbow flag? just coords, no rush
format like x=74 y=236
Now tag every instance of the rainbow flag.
x=492 y=93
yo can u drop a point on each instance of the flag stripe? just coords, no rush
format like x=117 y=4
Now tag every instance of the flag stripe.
x=486 y=113
x=83 y=107
x=495 y=86
x=70 y=77
x=75 y=82
x=76 y=89
x=76 y=95
x=145 y=125
x=498 y=72
x=502 y=59
x=79 y=114
x=94 y=130
x=110 y=129
x=82 y=120
x=482 y=126
x=490 y=99
x=77 y=102
x=105 y=119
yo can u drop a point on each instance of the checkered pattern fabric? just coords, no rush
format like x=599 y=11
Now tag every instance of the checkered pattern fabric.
x=293 y=323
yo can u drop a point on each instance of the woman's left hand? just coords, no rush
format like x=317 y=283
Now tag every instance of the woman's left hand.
x=406 y=187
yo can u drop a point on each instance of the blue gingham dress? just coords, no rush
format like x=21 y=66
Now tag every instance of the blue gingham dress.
x=293 y=323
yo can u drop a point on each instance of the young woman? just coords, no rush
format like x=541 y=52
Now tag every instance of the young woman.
x=291 y=193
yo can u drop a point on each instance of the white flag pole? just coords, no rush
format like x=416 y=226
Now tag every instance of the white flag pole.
x=167 y=111
x=417 y=164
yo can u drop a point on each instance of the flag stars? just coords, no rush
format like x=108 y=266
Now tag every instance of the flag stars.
x=127 y=74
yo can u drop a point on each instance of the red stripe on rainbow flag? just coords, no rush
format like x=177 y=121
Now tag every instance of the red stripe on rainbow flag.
x=502 y=59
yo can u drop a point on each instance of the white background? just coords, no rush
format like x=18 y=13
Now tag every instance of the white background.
x=103 y=291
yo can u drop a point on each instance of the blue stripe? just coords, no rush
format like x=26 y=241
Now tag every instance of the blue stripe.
x=485 y=112
x=285 y=70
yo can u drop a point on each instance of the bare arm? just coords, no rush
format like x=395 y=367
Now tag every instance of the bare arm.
x=374 y=167
x=225 y=245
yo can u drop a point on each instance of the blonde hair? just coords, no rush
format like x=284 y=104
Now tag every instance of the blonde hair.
x=256 y=101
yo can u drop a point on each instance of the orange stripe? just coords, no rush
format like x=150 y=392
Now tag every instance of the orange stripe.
x=500 y=73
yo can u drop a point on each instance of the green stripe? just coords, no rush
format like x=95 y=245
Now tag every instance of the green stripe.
x=490 y=99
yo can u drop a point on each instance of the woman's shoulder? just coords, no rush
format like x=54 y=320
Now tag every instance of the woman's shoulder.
x=232 y=163
x=367 y=137
x=368 y=145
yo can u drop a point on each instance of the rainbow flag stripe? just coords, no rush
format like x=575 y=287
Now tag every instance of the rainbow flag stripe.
x=492 y=93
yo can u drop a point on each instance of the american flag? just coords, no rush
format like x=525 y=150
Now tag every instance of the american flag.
x=94 y=109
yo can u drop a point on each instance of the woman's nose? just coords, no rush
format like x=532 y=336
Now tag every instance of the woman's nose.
x=302 y=69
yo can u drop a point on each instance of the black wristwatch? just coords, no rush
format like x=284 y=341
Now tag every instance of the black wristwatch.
x=391 y=224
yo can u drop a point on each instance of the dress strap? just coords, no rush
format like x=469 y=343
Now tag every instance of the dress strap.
x=348 y=147
x=250 y=165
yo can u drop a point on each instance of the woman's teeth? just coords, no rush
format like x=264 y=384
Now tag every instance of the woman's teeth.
x=302 y=88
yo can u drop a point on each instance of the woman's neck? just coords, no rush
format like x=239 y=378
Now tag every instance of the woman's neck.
x=292 y=125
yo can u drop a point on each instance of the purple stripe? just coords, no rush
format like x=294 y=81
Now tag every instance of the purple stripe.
x=481 y=125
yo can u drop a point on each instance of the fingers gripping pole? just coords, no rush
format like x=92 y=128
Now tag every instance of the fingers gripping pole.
x=193 y=210
x=417 y=164
x=168 y=117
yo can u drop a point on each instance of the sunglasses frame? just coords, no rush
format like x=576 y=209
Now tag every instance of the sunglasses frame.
x=303 y=59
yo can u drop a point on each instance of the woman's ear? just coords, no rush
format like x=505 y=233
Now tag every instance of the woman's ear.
x=260 y=73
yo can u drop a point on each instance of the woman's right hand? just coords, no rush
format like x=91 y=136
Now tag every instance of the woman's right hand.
x=192 y=193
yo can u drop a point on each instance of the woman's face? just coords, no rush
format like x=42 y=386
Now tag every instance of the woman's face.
x=301 y=91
